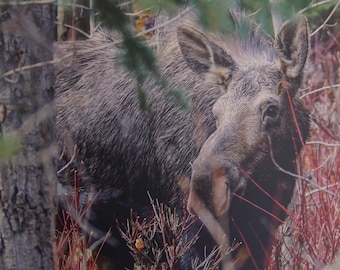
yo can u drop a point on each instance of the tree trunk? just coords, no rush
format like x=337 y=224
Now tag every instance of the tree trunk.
x=27 y=143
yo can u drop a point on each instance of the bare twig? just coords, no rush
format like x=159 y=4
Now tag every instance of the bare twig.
x=211 y=260
x=322 y=189
x=100 y=242
x=322 y=164
x=294 y=174
x=74 y=155
x=125 y=3
x=319 y=90
x=327 y=19
x=23 y=68
x=60 y=18
x=324 y=143
x=92 y=19
x=73 y=5
x=75 y=28
x=25 y=3
x=314 y=5
x=324 y=129
x=85 y=51
x=276 y=15
x=133 y=14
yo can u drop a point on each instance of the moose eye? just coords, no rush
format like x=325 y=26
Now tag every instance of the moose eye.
x=270 y=115
x=272 y=112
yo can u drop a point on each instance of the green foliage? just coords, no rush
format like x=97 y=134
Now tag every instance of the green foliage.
x=215 y=14
x=113 y=16
x=138 y=58
x=8 y=148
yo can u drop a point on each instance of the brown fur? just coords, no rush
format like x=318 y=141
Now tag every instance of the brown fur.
x=234 y=88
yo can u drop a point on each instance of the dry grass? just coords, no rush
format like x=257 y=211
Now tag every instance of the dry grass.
x=161 y=242
x=310 y=238
x=73 y=249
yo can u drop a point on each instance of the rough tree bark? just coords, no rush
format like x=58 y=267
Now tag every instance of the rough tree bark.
x=27 y=177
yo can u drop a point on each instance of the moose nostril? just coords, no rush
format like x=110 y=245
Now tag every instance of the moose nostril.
x=233 y=175
x=212 y=186
x=240 y=186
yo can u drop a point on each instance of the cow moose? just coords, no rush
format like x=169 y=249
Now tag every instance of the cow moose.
x=241 y=133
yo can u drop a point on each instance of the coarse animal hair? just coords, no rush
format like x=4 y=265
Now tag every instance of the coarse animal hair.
x=243 y=113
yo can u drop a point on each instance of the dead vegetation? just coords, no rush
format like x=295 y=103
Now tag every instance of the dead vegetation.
x=310 y=238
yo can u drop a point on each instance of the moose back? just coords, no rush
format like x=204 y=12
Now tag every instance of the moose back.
x=243 y=126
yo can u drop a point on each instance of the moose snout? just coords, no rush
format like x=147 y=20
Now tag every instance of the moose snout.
x=212 y=185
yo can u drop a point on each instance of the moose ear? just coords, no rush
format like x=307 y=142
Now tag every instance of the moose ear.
x=203 y=56
x=292 y=43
